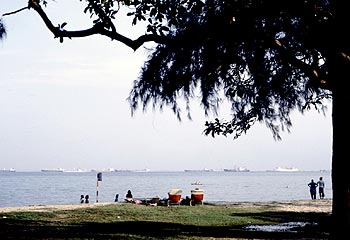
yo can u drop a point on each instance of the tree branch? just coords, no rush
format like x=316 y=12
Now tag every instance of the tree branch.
x=98 y=28
x=103 y=15
x=311 y=71
x=14 y=12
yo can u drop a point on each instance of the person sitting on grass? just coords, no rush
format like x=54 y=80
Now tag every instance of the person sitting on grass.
x=129 y=197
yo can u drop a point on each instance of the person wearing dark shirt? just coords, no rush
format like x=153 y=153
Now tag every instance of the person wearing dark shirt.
x=313 y=186
x=129 y=197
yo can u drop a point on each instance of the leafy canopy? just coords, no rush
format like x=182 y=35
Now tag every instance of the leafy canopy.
x=265 y=57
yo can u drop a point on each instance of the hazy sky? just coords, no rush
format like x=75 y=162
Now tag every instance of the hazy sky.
x=64 y=105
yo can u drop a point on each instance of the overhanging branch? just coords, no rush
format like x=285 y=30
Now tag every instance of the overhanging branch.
x=98 y=28
x=14 y=12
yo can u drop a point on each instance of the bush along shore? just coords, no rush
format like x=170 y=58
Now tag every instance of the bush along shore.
x=305 y=219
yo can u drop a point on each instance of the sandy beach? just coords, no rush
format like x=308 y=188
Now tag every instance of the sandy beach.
x=324 y=205
x=50 y=208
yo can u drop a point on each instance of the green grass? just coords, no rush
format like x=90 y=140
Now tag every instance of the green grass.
x=131 y=221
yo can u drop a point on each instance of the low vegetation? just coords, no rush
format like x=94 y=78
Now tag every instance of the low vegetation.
x=131 y=221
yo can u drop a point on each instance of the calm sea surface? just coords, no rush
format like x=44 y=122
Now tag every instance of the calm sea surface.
x=42 y=188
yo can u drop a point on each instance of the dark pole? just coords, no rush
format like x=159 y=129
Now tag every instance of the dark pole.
x=99 y=178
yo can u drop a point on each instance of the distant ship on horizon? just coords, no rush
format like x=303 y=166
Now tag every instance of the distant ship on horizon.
x=77 y=170
x=52 y=170
x=141 y=170
x=199 y=170
x=7 y=170
x=133 y=170
x=284 y=169
x=236 y=169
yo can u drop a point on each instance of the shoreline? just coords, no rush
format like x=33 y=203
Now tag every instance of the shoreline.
x=318 y=205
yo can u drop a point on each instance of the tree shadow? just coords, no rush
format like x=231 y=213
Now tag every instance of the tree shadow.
x=23 y=229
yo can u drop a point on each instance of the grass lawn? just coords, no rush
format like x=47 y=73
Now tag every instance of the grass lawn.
x=133 y=221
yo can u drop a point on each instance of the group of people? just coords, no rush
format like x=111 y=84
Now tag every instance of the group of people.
x=128 y=197
x=84 y=199
x=313 y=188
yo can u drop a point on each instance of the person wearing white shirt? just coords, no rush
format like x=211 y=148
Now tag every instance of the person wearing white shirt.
x=321 y=186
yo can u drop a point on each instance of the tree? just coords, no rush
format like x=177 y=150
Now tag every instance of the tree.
x=266 y=57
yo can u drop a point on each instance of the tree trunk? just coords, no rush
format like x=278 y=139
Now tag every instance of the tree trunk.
x=339 y=72
x=340 y=80
x=340 y=163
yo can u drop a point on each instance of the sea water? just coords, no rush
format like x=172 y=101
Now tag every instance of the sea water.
x=43 y=188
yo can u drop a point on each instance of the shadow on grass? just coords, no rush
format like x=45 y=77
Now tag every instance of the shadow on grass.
x=29 y=229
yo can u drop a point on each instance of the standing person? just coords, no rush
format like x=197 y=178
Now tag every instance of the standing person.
x=321 y=186
x=81 y=198
x=116 y=197
x=313 y=187
x=87 y=199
